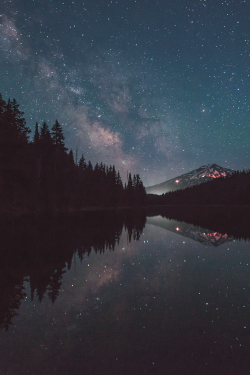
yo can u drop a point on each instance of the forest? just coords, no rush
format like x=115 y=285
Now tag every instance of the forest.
x=40 y=174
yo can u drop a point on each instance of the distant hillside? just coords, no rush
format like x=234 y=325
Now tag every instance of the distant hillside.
x=233 y=189
x=196 y=177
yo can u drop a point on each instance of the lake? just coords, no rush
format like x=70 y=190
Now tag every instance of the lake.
x=109 y=294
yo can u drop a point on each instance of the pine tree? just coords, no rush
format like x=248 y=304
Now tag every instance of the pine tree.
x=71 y=157
x=14 y=130
x=36 y=137
x=82 y=164
x=58 y=137
x=2 y=105
x=129 y=190
x=2 y=118
x=90 y=167
x=20 y=122
x=140 y=191
x=119 y=180
x=45 y=136
x=134 y=183
x=97 y=167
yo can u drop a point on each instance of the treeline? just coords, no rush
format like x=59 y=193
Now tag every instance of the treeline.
x=42 y=173
x=230 y=190
x=39 y=249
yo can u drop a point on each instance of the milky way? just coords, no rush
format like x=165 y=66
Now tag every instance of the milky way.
x=155 y=87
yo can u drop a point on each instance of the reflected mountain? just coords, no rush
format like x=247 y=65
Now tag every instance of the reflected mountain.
x=158 y=305
x=233 y=220
x=204 y=236
x=38 y=251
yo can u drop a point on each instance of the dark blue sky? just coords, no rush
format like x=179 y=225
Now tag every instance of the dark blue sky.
x=155 y=87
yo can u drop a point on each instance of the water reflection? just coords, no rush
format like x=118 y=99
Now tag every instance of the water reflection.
x=204 y=236
x=110 y=305
x=39 y=250
x=233 y=220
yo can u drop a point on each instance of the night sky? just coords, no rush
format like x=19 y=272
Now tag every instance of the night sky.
x=155 y=87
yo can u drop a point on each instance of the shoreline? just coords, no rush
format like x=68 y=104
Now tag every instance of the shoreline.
x=19 y=211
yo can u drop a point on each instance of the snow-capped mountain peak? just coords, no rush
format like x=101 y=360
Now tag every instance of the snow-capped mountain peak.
x=195 y=177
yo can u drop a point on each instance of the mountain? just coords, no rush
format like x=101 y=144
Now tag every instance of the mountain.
x=204 y=236
x=195 y=177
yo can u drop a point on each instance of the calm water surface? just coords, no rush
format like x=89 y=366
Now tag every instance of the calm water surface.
x=176 y=301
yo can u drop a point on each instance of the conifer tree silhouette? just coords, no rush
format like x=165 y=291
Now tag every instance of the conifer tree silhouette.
x=82 y=164
x=58 y=137
x=36 y=137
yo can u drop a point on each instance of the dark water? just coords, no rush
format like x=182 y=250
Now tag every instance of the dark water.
x=103 y=294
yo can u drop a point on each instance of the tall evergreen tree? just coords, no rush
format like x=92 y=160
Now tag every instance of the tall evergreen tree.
x=140 y=191
x=82 y=164
x=71 y=157
x=129 y=190
x=2 y=122
x=90 y=167
x=2 y=105
x=19 y=121
x=14 y=130
x=58 y=137
x=36 y=137
x=45 y=136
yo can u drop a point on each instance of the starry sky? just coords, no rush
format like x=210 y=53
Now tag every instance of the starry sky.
x=155 y=87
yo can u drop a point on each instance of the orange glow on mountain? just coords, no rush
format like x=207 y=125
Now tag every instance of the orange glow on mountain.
x=215 y=235
x=215 y=174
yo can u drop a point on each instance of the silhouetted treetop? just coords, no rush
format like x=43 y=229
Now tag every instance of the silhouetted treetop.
x=58 y=137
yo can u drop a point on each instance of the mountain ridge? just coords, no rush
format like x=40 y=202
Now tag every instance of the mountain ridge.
x=195 y=177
